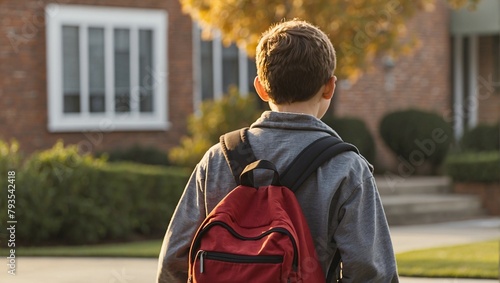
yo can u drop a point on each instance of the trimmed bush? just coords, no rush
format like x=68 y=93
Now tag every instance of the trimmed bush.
x=484 y=137
x=474 y=167
x=149 y=192
x=68 y=198
x=139 y=154
x=417 y=136
x=231 y=112
x=354 y=130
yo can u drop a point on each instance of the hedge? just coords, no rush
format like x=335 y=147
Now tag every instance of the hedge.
x=474 y=167
x=484 y=137
x=137 y=154
x=354 y=130
x=66 y=198
x=151 y=191
x=417 y=136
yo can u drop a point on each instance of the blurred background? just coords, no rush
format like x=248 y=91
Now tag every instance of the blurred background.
x=106 y=106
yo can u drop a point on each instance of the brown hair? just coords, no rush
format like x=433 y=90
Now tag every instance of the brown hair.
x=294 y=59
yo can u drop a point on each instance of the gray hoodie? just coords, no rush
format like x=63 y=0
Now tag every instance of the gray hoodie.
x=353 y=221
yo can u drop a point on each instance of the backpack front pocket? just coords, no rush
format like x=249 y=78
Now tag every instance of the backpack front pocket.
x=227 y=267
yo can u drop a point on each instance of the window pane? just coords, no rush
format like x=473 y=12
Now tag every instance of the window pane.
x=122 y=70
x=96 y=70
x=71 y=69
x=147 y=80
x=207 y=78
x=230 y=71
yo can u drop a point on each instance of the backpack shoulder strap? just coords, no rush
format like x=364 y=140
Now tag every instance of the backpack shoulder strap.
x=308 y=161
x=237 y=151
x=311 y=158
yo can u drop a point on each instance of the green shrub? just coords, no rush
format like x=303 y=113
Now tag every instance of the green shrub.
x=139 y=154
x=474 y=166
x=417 y=136
x=55 y=199
x=10 y=157
x=484 y=137
x=143 y=197
x=64 y=197
x=217 y=117
x=354 y=130
x=10 y=160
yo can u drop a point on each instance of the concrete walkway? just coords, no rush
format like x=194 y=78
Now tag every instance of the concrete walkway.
x=406 y=238
x=119 y=270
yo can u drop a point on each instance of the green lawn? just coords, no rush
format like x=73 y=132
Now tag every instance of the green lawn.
x=135 y=249
x=478 y=260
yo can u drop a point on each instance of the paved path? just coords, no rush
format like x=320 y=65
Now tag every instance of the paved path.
x=414 y=237
x=119 y=270
x=82 y=270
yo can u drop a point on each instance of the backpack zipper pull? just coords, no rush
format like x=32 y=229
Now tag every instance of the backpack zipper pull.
x=201 y=254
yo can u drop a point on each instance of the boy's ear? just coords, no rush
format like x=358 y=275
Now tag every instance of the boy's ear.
x=329 y=88
x=260 y=90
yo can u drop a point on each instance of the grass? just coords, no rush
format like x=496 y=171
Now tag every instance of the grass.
x=477 y=260
x=149 y=248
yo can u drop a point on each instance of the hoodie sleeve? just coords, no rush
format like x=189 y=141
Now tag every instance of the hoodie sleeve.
x=188 y=215
x=363 y=237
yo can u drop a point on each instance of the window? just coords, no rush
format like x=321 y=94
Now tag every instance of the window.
x=218 y=67
x=106 y=68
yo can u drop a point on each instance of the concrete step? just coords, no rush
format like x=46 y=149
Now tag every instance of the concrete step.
x=405 y=209
x=390 y=184
x=424 y=199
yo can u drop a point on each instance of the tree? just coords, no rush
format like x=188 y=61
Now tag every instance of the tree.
x=231 y=112
x=359 y=29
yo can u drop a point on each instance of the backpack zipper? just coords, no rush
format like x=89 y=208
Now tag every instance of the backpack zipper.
x=235 y=258
x=196 y=242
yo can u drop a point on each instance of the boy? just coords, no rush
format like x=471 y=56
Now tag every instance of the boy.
x=295 y=65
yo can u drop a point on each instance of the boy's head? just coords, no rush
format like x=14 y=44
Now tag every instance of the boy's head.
x=294 y=60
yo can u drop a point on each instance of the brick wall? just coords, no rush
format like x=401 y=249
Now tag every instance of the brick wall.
x=23 y=81
x=421 y=80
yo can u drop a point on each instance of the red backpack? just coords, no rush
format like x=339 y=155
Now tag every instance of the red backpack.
x=260 y=234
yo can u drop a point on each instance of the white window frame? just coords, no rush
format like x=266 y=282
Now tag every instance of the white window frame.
x=109 y=18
